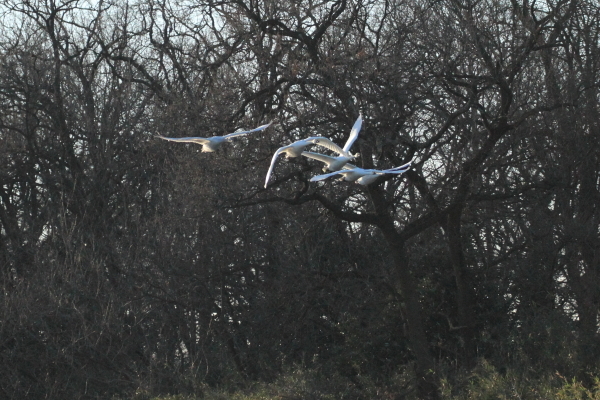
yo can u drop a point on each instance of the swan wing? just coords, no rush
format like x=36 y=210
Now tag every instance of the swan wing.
x=353 y=133
x=396 y=171
x=400 y=169
x=277 y=153
x=325 y=176
x=328 y=144
x=392 y=171
x=376 y=172
x=234 y=134
x=199 y=140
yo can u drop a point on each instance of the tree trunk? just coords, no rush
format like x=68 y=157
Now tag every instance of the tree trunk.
x=427 y=385
x=464 y=295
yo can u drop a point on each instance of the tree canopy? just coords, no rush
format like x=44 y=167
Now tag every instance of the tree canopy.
x=133 y=264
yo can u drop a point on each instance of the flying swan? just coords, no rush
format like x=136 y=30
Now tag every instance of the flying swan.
x=363 y=176
x=295 y=150
x=336 y=163
x=213 y=143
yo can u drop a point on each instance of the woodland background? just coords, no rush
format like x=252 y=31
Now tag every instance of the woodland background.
x=131 y=266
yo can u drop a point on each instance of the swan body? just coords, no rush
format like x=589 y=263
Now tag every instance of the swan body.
x=363 y=176
x=213 y=143
x=295 y=150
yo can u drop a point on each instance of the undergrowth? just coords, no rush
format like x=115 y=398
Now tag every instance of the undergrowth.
x=483 y=383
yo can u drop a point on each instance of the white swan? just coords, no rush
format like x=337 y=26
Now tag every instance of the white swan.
x=295 y=150
x=363 y=176
x=211 y=144
x=336 y=163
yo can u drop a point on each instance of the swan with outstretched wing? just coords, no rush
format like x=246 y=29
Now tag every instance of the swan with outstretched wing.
x=363 y=176
x=295 y=150
x=212 y=143
x=333 y=163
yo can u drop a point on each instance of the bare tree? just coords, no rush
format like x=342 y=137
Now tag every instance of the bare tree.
x=134 y=264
